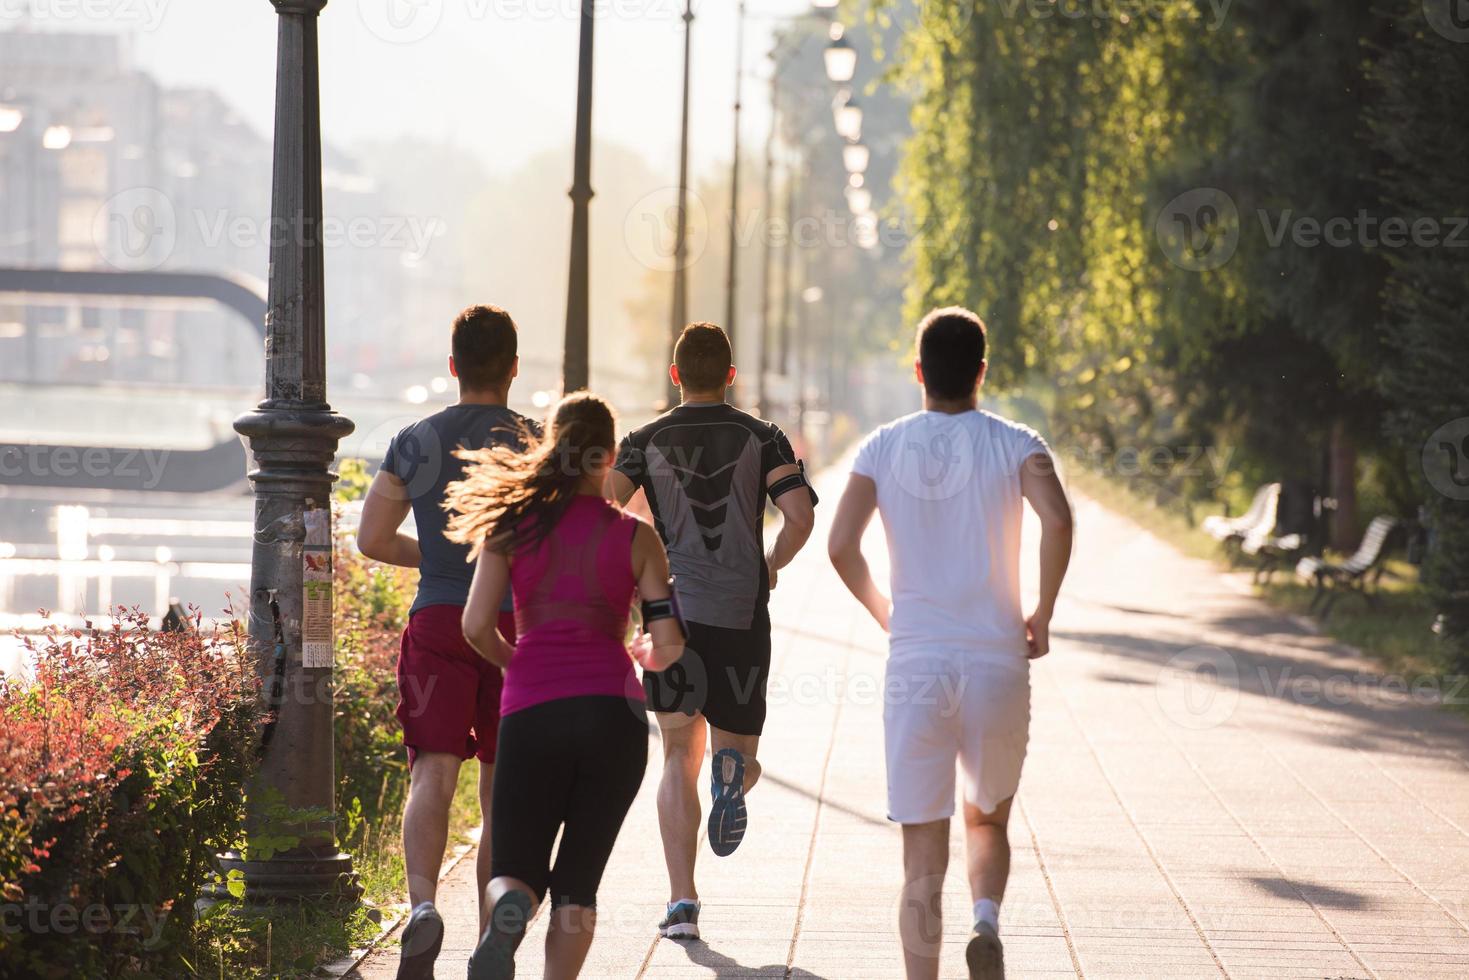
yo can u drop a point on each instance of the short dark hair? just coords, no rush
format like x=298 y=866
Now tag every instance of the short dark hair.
x=484 y=344
x=951 y=347
x=703 y=357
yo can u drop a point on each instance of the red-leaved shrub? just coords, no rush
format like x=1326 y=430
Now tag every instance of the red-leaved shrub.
x=122 y=760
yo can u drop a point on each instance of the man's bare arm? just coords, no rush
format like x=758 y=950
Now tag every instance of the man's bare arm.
x=378 y=535
x=844 y=546
x=1040 y=485
x=798 y=520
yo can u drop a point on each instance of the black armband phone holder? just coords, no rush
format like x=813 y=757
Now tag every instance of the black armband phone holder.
x=794 y=482
x=655 y=609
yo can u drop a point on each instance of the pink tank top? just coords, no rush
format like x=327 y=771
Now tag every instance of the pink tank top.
x=573 y=591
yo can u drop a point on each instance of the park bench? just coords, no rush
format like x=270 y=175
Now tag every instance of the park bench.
x=1270 y=550
x=1234 y=530
x=1360 y=573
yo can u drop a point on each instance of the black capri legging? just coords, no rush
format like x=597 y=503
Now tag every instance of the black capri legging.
x=572 y=765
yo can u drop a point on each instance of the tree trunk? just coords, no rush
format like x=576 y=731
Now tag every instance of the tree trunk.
x=1344 y=530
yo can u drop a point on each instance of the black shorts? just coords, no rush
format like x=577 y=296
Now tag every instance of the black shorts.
x=721 y=675
x=573 y=765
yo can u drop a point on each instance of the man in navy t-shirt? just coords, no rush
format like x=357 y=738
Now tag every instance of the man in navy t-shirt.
x=449 y=697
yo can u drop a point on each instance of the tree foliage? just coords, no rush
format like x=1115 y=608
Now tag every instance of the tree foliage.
x=1134 y=195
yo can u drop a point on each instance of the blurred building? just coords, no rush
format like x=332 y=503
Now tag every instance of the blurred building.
x=103 y=168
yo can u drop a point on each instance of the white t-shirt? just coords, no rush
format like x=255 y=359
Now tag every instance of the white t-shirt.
x=948 y=491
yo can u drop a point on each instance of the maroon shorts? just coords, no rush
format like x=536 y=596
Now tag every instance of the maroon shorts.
x=448 y=695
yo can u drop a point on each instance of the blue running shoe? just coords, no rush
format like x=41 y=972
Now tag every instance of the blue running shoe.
x=727 y=817
x=681 y=922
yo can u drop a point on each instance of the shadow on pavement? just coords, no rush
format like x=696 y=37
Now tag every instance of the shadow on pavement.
x=1373 y=709
x=1318 y=894
x=702 y=954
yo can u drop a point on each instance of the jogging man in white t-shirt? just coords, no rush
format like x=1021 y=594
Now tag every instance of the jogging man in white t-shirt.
x=948 y=482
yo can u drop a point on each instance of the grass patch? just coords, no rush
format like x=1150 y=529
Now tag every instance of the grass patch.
x=285 y=941
x=1394 y=630
x=1167 y=523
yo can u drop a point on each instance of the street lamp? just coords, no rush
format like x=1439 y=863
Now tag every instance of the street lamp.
x=575 y=367
x=56 y=137
x=848 y=117
x=293 y=437
x=864 y=229
x=732 y=272
x=840 y=57
x=768 y=199
x=678 y=311
x=855 y=157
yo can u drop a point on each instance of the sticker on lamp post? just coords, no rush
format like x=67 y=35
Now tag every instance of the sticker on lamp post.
x=316 y=584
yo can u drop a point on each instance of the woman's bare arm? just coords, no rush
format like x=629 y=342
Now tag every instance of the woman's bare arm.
x=482 y=610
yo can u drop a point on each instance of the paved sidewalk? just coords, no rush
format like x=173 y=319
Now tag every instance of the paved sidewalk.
x=1211 y=791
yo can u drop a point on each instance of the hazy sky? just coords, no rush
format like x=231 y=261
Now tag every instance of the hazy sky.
x=497 y=77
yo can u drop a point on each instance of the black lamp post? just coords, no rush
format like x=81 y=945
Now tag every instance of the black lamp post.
x=575 y=369
x=679 y=311
x=768 y=338
x=293 y=435
x=732 y=274
x=767 y=197
x=788 y=270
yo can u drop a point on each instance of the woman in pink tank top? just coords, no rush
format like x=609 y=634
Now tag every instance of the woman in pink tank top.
x=573 y=741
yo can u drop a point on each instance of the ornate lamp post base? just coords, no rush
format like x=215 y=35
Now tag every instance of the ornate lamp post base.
x=307 y=874
x=293 y=446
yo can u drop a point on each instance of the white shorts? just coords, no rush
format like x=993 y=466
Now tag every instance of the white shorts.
x=947 y=706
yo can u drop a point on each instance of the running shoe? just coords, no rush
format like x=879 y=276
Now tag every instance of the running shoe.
x=985 y=955
x=681 y=922
x=727 y=816
x=494 y=957
x=423 y=937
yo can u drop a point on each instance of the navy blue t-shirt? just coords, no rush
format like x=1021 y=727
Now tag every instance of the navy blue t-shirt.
x=422 y=456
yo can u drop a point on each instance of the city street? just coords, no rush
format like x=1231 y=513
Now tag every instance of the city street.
x=1211 y=790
